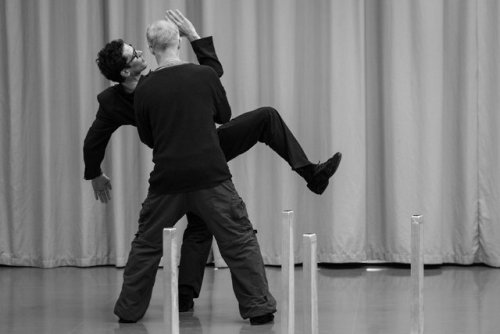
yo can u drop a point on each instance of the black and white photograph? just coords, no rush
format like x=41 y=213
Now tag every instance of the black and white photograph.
x=250 y=166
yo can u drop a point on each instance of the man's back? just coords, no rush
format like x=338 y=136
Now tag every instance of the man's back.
x=175 y=109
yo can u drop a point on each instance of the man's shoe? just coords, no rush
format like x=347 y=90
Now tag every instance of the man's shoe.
x=125 y=321
x=262 y=319
x=186 y=303
x=322 y=173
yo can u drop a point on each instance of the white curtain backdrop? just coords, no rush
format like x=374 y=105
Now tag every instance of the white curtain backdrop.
x=407 y=90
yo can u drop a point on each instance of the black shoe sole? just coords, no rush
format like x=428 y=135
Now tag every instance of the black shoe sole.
x=124 y=321
x=262 y=319
x=188 y=308
x=318 y=186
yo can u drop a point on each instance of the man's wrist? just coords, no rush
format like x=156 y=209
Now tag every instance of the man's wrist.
x=88 y=175
x=193 y=37
x=100 y=174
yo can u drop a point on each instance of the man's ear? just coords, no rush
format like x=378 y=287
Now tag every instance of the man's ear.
x=151 y=50
x=125 y=73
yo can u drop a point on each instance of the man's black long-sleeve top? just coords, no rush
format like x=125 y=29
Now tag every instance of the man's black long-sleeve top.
x=176 y=109
x=116 y=108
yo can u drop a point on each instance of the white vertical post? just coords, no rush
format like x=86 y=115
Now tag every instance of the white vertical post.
x=170 y=302
x=310 y=267
x=287 y=275
x=417 y=275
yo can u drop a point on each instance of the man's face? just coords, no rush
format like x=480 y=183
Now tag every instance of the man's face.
x=135 y=62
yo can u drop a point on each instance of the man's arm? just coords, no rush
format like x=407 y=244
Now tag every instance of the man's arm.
x=205 y=52
x=222 y=107
x=202 y=47
x=94 y=147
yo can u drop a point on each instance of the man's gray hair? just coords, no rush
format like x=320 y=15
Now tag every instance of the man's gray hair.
x=162 y=34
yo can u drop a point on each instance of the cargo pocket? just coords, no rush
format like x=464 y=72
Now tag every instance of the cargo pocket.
x=238 y=209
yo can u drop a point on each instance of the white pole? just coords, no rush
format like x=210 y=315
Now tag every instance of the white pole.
x=417 y=275
x=170 y=302
x=310 y=267
x=287 y=275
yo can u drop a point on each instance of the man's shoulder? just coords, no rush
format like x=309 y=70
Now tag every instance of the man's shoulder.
x=195 y=67
x=204 y=70
x=108 y=95
x=186 y=70
x=201 y=67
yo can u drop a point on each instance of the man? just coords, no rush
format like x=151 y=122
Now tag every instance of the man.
x=175 y=107
x=124 y=65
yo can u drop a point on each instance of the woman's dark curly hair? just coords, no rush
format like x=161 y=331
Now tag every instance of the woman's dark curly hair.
x=111 y=62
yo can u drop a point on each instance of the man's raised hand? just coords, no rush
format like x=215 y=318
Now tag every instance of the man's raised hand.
x=186 y=28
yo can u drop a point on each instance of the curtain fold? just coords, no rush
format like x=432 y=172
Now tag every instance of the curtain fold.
x=406 y=90
x=488 y=74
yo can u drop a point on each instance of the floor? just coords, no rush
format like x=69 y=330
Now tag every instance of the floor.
x=353 y=299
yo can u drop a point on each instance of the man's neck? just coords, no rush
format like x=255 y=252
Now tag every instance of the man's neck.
x=130 y=83
x=167 y=57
